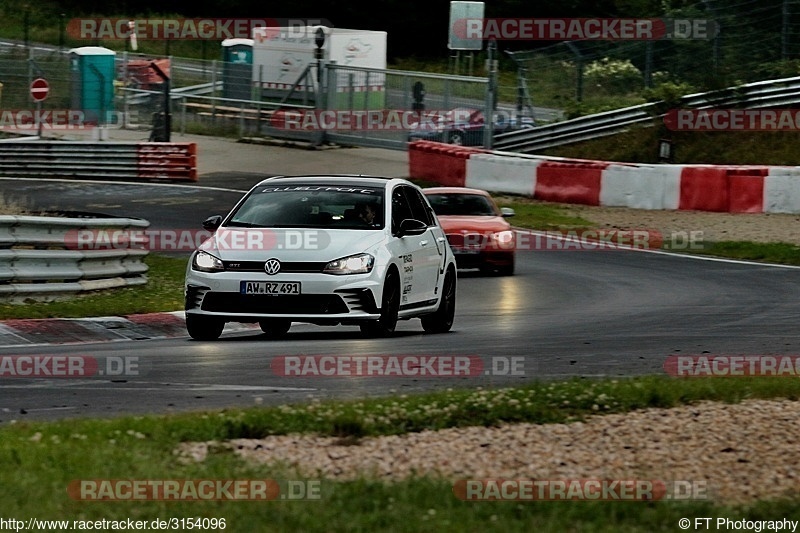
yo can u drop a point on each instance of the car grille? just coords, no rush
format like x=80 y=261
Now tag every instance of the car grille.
x=291 y=267
x=473 y=241
x=301 y=304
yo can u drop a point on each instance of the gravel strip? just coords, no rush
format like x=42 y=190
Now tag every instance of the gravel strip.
x=755 y=227
x=743 y=452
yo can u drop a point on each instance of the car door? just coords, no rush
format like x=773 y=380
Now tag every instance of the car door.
x=410 y=251
x=431 y=244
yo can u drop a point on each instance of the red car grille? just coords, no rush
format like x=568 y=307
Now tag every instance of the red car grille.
x=468 y=241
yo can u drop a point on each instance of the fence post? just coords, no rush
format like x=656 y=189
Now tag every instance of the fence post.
x=213 y=91
x=258 y=94
x=183 y=115
x=491 y=97
x=125 y=106
x=333 y=82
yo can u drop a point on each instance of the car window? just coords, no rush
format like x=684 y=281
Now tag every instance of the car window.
x=419 y=207
x=401 y=209
x=311 y=206
x=462 y=204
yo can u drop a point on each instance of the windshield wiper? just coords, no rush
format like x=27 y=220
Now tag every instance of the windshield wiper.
x=238 y=224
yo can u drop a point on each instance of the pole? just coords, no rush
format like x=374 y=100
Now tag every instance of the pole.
x=61 y=32
x=167 y=117
x=491 y=96
x=785 y=30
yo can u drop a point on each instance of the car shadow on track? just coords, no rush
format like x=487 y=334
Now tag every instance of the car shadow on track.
x=322 y=335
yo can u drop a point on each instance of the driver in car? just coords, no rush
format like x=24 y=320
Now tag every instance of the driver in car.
x=367 y=213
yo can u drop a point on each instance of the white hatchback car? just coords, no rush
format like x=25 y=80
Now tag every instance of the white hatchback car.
x=325 y=250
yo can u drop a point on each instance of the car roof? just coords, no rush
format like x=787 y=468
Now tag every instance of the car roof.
x=332 y=179
x=454 y=190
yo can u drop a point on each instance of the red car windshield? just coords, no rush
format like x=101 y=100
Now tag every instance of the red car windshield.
x=462 y=205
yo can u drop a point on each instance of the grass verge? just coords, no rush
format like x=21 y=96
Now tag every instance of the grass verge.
x=43 y=458
x=551 y=217
x=163 y=292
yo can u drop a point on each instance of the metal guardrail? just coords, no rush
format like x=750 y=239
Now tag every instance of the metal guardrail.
x=770 y=93
x=84 y=159
x=41 y=257
x=139 y=96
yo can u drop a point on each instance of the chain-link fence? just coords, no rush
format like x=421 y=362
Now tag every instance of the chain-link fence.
x=432 y=106
x=20 y=66
x=743 y=41
x=227 y=98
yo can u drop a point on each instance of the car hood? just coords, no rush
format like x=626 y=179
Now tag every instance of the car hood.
x=290 y=244
x=478 y=224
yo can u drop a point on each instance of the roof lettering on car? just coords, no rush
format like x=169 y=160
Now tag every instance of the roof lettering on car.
x=318 y=188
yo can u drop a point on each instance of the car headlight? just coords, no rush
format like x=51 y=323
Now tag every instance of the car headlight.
x=502 y=240
x=205 y=262
x=353 y=264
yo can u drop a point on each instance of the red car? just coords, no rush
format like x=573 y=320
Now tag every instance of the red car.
x=476 y=228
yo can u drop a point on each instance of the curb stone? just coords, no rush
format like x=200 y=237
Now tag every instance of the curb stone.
x=28 y=332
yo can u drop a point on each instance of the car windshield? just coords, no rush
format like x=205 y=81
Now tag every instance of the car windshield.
x=462 y=204
x=311 y=206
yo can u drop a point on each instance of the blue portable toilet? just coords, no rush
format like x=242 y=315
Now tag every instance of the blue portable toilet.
x=237 y=68
x=92 y=73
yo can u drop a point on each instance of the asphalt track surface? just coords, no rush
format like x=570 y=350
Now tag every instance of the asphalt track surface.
x=564 y=313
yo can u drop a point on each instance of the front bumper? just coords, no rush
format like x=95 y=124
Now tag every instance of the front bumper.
x=323 y=297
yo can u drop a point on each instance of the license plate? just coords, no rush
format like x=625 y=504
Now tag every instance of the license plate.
x=268 y=287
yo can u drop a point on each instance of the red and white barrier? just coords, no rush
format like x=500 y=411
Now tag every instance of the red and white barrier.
x=172 y=161
x=641 y=186
x=515 y=175
x=782 y=190
x=721 y=188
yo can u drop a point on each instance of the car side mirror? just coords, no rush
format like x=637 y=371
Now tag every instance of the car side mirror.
x=507 y=212
x=212 y=223
x=411 y=226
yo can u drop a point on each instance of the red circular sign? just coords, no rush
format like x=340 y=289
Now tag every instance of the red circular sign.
x=39 y=89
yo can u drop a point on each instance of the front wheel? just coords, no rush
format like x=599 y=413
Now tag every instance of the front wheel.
x=390 y=307
x=275 y=327
x=204 y=328
x=442 y=320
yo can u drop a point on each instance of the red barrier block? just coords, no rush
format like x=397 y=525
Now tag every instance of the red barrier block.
x=443 y=164
x=575 y=183
x=746 y=192
x=704 y=189
x=172 y=161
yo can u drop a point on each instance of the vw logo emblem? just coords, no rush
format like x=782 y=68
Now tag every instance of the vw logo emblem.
x=272 y=266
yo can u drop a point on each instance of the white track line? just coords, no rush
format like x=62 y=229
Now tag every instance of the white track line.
x=598 y=246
